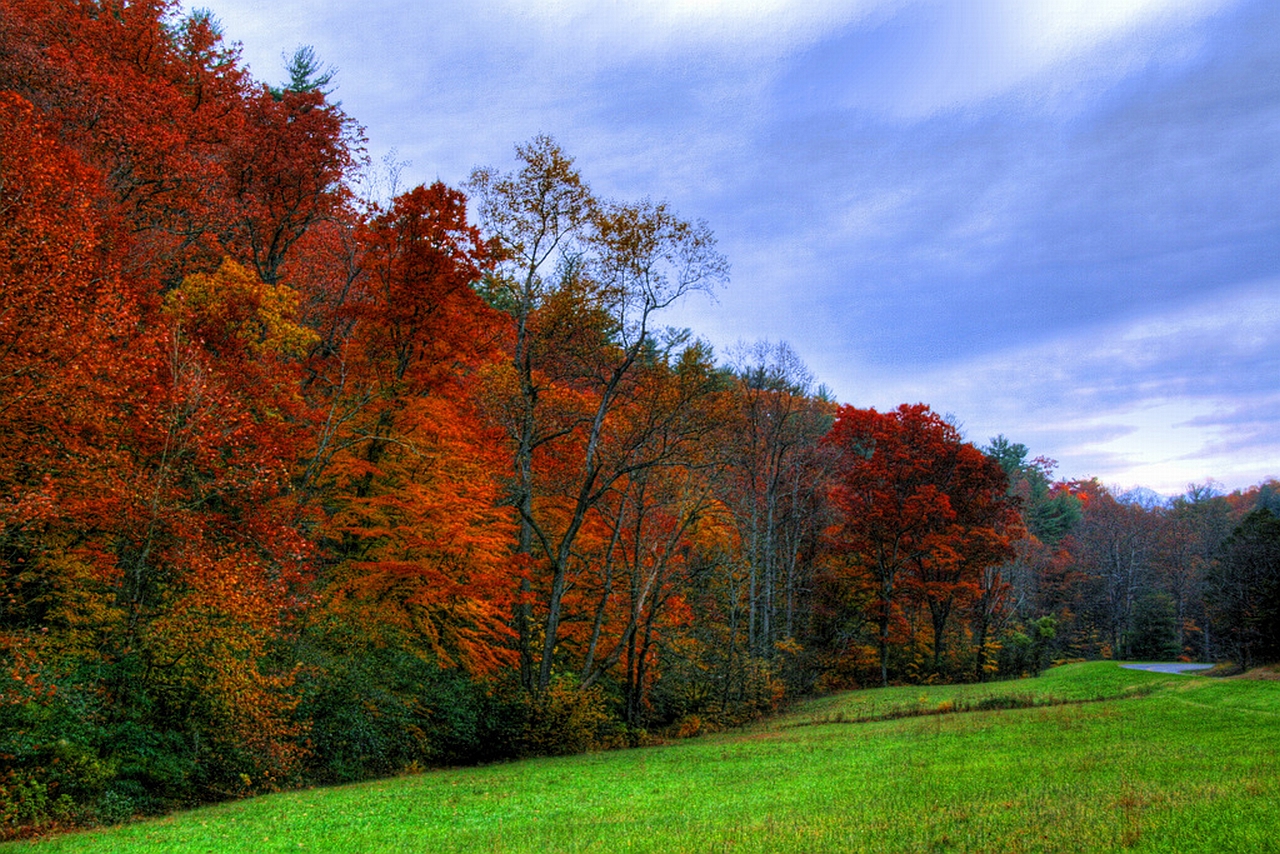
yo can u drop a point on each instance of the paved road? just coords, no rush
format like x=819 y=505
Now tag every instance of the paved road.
x=1169 y=667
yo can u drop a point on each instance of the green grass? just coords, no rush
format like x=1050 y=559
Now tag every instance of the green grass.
x=1095 y=758
x=1060 y=686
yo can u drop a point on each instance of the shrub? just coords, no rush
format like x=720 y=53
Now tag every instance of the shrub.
x=377 y=710
x=566 y=718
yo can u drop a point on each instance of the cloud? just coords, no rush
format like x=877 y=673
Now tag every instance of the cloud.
x=1177 y=397
x=1037 y=216
x=1052 y=55
x=738 y=29
x=968 y=233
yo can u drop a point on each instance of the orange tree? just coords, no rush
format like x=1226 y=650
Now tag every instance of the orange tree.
x=145 y=545
x=398 y=485
x=581 y=285
x=402 y=466
x=148 y=551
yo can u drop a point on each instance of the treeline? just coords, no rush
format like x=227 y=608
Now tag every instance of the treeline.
x=300 y=483
x=1129 y=575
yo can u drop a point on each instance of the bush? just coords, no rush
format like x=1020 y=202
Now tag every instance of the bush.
x=1028 y=652
x=54 y=748
x=26 y=804
x=566 y=719
x=376 y=710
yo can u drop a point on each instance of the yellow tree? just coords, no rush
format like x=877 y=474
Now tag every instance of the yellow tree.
x=582 y=284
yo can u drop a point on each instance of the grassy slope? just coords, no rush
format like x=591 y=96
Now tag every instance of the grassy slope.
x=1169 y=763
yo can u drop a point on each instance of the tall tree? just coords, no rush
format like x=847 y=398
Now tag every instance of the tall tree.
x=1197 y=524
x=1116 y=546
x=400 y=465
x=771 y=482
x=285 y=172
x=583 y=341
x=1021 y=588
x=1244 y=590
x=537 y=218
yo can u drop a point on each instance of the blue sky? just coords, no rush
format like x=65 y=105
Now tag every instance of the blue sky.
x=1056 y=220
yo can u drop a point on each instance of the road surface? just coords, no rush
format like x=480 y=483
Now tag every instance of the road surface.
x=1169 y=667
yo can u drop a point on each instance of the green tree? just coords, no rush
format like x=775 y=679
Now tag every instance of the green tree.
x=1153 y=633
x=1049 y=511
x=306 y=74
x=1244 y=590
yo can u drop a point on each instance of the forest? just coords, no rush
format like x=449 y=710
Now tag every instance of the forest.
x=306 y=477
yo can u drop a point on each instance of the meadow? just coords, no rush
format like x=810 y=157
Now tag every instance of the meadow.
x=1087 y=757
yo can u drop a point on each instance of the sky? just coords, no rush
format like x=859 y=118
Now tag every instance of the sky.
x=1052 y=220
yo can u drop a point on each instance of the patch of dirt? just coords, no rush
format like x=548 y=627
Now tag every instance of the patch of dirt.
x=1268 y=673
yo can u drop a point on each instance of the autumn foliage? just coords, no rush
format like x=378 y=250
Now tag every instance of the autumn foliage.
x=923 y=518
x=301 y=486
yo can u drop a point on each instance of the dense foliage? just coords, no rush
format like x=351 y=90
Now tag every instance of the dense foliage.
x=299 y=485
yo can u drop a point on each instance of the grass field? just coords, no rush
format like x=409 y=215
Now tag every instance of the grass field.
x=1088 y=757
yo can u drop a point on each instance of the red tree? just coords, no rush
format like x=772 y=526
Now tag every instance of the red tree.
x=402 y=466
x=919 y=512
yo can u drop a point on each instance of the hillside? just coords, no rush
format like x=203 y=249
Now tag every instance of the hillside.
x=1088 y=757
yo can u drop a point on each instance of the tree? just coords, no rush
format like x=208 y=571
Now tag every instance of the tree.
x=153 y=104
x=1244 y=590
x=1049 y=511
x=400 y=466
x=1198 y=522
x=285 y=173
x=918 y=510
x=536 y=217
x=1027 y=585
x=147 y=542
x=306 y=73
x=1116 y=546
x=773 y=482
x=638 y=577
x=1153 y=633
x=583 y=344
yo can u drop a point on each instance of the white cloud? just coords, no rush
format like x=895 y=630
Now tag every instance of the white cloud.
x=1048 y=50
x=769 y=27
x=1160 y=402
x=1154 y=443
x=1051 y=29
